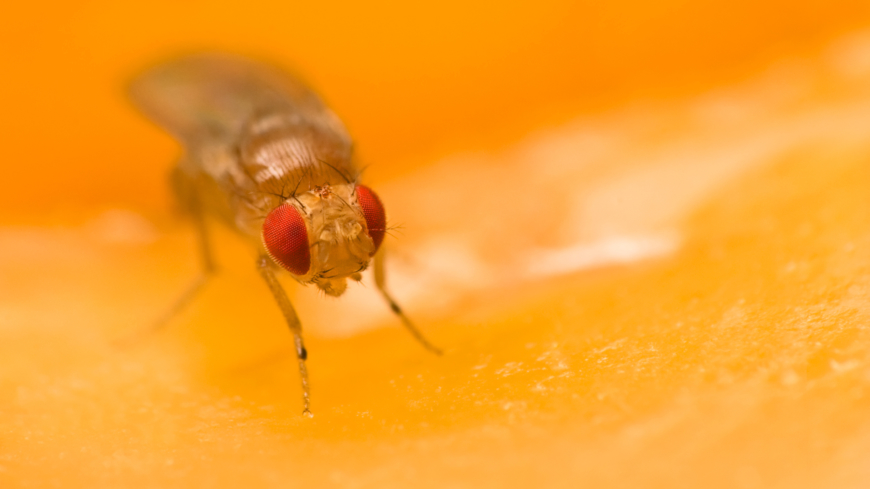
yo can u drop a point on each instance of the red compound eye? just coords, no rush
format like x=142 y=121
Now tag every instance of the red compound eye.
x=373 y=210
x=286 y=239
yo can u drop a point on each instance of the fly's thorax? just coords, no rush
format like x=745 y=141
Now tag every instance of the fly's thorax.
x=281 y=150
x=340 y=246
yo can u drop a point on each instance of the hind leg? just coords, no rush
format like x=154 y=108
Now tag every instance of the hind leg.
x=190 y=202
x=191 y=206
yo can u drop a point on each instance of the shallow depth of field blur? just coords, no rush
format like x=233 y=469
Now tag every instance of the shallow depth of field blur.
x=640 y=230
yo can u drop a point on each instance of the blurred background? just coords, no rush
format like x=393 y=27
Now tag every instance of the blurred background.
x=413 y=83
x=639 y=230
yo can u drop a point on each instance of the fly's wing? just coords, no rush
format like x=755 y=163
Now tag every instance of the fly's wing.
x=211 y=98
x=240 y=122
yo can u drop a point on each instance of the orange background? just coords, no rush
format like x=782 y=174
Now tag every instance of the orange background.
x=411 y=82
x=736 y=358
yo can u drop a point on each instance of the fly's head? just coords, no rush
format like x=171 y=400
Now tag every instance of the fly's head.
x=326 y=235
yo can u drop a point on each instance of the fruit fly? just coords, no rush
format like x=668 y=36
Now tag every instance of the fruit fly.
x=265 y=156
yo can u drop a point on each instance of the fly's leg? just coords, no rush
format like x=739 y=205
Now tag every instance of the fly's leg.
x=289 y=312
x=191 y=205
x=381 y=284
x=207 y=271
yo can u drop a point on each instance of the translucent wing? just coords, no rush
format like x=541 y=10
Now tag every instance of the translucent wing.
x=215 y=97
x=250 y=132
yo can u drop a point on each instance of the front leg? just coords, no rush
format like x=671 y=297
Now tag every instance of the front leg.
x=381 y=284
x=264 y=265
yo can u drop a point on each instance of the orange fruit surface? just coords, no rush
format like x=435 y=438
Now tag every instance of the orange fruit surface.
x=639 y=230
